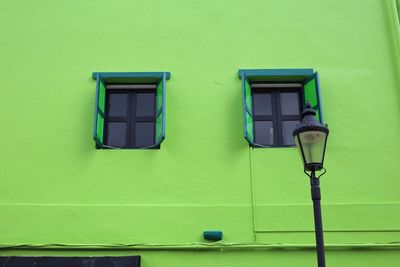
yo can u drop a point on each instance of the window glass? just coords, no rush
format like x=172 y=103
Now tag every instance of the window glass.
x=116 y=134
x=276 y=112
x=145 y=104
x=262 y=104
x=118 y=105
x=144 y=134
x=290 y=103
x=130 y=118
x=51 y=261
x=287 y=130
x=264 y=132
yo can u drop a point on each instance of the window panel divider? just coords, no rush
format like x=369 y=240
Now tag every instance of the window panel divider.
x=263 y=117
x=278 y=124
x=290 y=117
x=146 y=119
x=117 y=119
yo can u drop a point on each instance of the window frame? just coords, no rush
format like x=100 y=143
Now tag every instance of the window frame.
x=277 y=118
x=131 y=117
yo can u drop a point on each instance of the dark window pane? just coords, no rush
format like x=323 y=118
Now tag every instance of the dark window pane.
x=116 y=134
x=145 y=104
x=264 y=132
x=118 y=105
x=25 y=261
x=290 y=103
x=287 y=128
x=144 y=134
x=262 y=104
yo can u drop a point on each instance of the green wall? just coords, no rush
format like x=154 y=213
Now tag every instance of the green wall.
x=56 y=188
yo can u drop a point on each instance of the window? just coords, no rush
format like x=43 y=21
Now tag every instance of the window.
x=26 y=261
x=130 y=110
x=273 y=101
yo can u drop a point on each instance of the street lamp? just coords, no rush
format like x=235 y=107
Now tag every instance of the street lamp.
x=310 y=137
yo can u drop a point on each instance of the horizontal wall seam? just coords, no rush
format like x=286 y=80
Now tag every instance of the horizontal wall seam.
x=330 y=231
x=198 y=246
x=122 y=205
x=191 y=205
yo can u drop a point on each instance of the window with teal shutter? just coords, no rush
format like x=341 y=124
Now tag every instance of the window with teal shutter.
x=272 y=103
x=130 y=110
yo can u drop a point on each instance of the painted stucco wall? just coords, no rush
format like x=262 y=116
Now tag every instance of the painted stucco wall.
x=56 y=188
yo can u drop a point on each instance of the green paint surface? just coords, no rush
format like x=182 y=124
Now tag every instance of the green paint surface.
x=100 y=128
x=310 y=95
x=249 y=109
x=249 y=127
x=249 y=100
x=102 y=97
x=56 y=188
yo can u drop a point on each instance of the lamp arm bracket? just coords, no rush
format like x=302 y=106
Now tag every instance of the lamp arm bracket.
x=311 y=173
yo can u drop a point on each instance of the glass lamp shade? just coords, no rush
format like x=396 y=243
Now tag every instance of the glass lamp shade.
x=310 y=137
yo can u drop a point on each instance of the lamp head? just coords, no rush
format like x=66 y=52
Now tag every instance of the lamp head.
x=310 y=137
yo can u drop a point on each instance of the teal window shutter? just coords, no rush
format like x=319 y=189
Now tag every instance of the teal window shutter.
x=311 y=92
x=247 y=111
x=160 y=111
x=99 y=113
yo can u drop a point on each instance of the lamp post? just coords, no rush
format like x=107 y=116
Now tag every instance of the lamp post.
x=310 y=137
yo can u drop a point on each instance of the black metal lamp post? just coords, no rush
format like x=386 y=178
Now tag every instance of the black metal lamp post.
x=310 y=137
